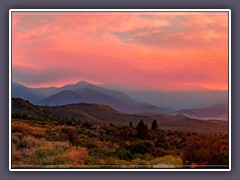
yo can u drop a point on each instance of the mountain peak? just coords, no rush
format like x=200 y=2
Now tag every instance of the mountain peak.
x=83 y=83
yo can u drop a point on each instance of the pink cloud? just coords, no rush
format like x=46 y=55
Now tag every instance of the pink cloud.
x=175 y=49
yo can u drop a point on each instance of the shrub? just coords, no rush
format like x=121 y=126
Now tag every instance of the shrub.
x=142 y=147
x=58 y=160
x=48 y=155
x=76 y=156
x=206 y=150
x=16 y=156
x=46 y=151
x=87 y=125
x=123 y=154
x=167 y=162
x=160 y=152
x=26 y=142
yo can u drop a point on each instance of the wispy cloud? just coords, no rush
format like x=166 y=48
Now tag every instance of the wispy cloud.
x=134 y=49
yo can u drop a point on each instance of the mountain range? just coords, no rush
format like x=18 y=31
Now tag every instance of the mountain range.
x=213 y=106
x=181 y=99
x=84 y=92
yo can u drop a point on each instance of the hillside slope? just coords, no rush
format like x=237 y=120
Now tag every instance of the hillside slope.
x=96 y=114
x=218 y=111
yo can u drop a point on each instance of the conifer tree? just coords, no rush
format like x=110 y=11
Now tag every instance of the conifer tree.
x=130 y=125
x=154 y=125
x=142 y=130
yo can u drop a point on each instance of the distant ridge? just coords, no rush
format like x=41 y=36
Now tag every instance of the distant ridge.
x=84 y=92
x=135 y=103
x=20 y=91
x=115 y=99
x=218 y=111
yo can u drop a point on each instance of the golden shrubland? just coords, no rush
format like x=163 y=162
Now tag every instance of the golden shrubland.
x=43 y=143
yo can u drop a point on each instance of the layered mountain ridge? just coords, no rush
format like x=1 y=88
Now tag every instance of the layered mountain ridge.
x=84 y=92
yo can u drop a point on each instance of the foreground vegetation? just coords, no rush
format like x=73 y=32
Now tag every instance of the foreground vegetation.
x=72 y=143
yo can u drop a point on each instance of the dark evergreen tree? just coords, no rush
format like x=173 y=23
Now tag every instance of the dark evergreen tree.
x=154 y=125
x=142 y=130
x=130 y=124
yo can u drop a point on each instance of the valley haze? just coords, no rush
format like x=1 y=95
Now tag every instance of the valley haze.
x=135 y=103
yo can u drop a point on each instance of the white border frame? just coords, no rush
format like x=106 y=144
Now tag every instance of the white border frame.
x=118 y=10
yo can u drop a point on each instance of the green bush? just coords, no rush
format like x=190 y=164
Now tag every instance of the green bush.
x=48 y=155
x=123 y=154
x=26 y=142
x=58 y=160
x=44 y=152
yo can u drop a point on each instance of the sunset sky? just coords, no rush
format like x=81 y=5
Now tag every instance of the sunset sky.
x=135 y=50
